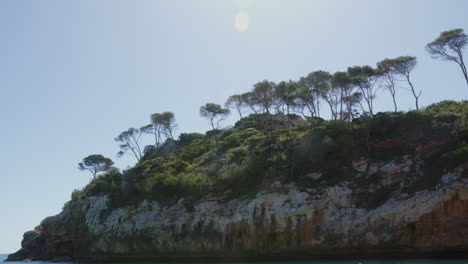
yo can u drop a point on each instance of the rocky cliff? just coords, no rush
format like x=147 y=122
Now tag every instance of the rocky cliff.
x=380 y=218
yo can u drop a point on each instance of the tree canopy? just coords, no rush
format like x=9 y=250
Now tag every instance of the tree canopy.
x=96 y=163
x=365 y=78
x=162 y=124
x=449 y=46
x=236 y=102
x=262 y=95
x=262 y=143
x=348 y=94
x=130 y=143
x=214 y=113
x=390 y=69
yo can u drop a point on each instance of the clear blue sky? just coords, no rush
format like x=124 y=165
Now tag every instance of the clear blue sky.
x=73 y=74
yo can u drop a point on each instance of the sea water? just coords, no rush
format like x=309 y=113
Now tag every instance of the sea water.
x=421 y=261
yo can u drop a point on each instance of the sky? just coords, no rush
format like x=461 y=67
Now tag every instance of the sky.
x=74 y=74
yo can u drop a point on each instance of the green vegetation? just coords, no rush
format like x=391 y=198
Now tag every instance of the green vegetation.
x=284 y=138
x=214 y=113
x=391 y=69
x=248 y=157
x=448 y=107
x=449 y=46
x=130 y=143
x=95 y=164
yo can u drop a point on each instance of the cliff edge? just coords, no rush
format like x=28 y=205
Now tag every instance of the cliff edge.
x=278 y=187
x=283 y=222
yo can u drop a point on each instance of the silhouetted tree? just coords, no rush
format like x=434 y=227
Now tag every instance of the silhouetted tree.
x=305 y=100
x=214 y=113
x=342 y=82
x=236 y=102
x=149 y=129
x=308 y=94
x=162 y=124
x=387 y=69
x=250 y=101
x=130 y=140
x=322 y=84
x=404 y=65
x=365 y=78
x=262 y=95
x=167 y=121
x=95 y=164
x=285 y=95
x=351 y=101
x=157 y=128
x=449 y=46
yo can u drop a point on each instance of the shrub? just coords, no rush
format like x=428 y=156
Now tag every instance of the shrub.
x=263 y=122
x=214 y=132
x=315 y=121
x=170 y=186
x=76 y=195
x=255 y=141
x=262 y=148
x=66 y=205
x=314 y=147
x=338 y=126
x=245 y=178
x=228 y=142
x=344 y=147
x=105 y=184
x=416 y=118
x=152 y=152
x=448 y=106
x=186 y=139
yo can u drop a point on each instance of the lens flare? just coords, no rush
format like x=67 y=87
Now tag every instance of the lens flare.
x=241 y=21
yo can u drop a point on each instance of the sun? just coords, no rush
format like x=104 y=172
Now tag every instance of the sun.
x=241 y=21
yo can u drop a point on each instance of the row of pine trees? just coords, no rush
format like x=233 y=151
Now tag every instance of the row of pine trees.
x=346 y=94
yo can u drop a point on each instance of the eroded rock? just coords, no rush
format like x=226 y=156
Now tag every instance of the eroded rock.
x=281 y=220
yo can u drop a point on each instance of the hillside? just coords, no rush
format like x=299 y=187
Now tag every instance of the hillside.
x=277 y=186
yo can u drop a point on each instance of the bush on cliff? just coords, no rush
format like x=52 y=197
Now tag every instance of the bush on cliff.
x=448 y=106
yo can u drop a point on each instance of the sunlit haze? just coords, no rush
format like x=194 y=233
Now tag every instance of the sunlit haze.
x=241 y=21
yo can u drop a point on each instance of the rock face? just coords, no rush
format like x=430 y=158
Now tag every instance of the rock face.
x=48 y=240
x=284 y=222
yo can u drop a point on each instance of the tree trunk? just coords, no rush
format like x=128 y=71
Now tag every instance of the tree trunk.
x=156 y=141
x=317 y=114
x=463 y=67
x=341 y=103
x=393 y=93
x=212 y=124
x=416 y=97
x=331 y=109
x=240 y=113
x=367 y=97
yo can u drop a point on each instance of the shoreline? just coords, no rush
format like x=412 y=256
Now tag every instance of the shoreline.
x=331 y=255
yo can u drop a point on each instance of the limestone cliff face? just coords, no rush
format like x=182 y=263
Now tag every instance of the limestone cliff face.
x=281 y=222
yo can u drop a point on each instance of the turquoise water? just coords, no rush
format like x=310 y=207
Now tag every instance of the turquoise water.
x=422 y=261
